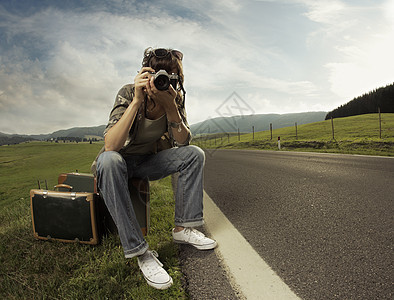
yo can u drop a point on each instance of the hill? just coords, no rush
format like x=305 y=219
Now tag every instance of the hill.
x=80 y=132
x=381 y=98
x=13 y=139
x=72 y=133
x=260 y=122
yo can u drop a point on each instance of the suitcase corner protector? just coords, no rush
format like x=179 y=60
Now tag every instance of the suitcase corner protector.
x=94 y=241
x=32 y=191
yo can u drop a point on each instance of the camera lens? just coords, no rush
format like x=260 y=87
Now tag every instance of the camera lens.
x=162 y=80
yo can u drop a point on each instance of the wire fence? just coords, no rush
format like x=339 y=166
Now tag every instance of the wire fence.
x=372 y=128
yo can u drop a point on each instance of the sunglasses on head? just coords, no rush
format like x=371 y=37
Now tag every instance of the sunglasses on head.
x=162 y=52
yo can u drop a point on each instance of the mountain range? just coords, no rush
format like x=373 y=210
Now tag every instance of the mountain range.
x=216 y=125
x=260 y=122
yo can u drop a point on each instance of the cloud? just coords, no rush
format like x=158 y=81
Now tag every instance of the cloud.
x=85 y=59
x=327 y=12
x=367 y=67
x=56 y=88
x=68 y=64
x=61 y=65
x=358 y=41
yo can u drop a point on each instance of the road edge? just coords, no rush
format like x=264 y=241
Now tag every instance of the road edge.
x=250 y=276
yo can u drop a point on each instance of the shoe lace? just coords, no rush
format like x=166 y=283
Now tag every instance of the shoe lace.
x=195 y=232
x=153 y=255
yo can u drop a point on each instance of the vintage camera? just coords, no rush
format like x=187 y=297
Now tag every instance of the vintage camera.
x=162 y=80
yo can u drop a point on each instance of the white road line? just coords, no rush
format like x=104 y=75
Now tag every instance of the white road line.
x=250 y=273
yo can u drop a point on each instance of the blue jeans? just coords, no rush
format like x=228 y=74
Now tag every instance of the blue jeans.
x=114 y=170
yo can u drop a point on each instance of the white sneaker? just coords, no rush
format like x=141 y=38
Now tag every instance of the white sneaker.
x=153 y=271
x=193 y=237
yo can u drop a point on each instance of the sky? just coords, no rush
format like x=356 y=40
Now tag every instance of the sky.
x=62 y=62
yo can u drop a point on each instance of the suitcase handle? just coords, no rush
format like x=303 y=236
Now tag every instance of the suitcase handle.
x=62 y=186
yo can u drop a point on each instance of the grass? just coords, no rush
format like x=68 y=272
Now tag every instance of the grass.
x=355 y=135
x=53 y=270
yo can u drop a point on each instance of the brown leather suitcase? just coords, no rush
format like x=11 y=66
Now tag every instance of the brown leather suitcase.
x=80 y=182
x=64 y=216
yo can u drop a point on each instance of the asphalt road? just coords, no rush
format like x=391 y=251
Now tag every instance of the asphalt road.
x=323 y=222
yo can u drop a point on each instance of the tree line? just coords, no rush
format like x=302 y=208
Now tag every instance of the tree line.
x=381 y=98
x=73 y=139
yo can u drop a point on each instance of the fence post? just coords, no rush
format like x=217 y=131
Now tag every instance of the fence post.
x=296 y=130
x=271 y=130
x=332 y=127
x=253 y=131
x=380 y=124
x=239 y=136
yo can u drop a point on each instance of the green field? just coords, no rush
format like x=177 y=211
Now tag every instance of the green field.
x=356 y=135
x=53 y=270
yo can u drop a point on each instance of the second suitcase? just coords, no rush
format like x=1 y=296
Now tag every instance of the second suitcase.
x=139 y=194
